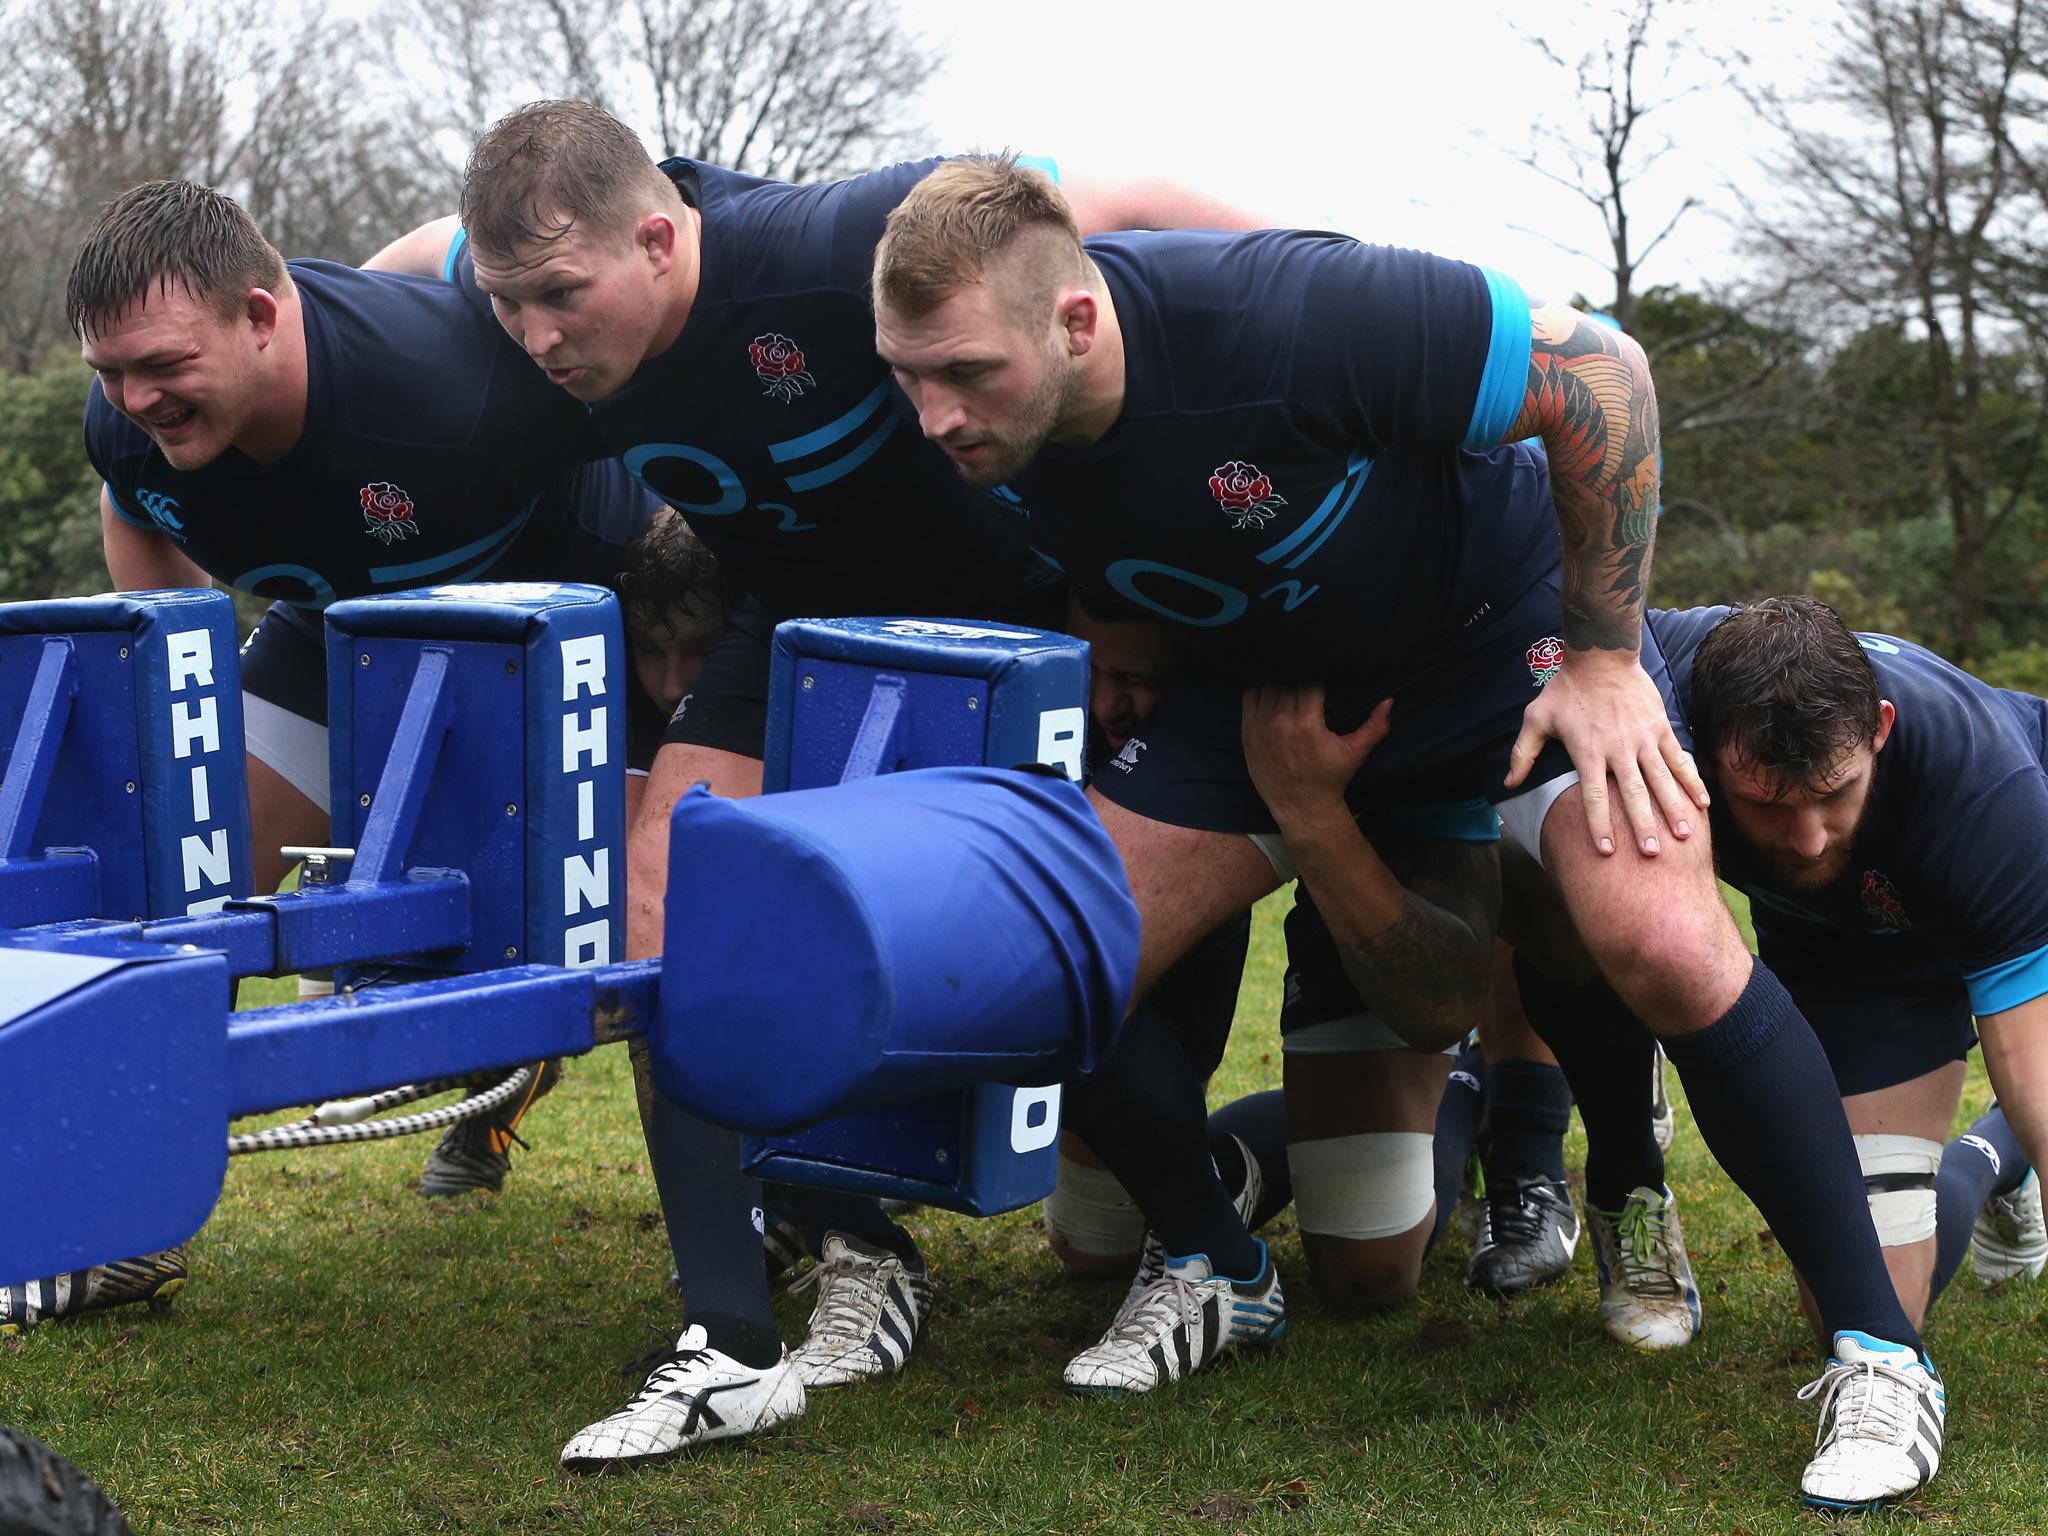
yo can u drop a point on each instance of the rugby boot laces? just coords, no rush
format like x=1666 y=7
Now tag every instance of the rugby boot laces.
x=1180 y=1322
x=1882 y=1411
x=865 y=1323
x=1152 y=1257
x=1647 y=1296
x=1527 y=1236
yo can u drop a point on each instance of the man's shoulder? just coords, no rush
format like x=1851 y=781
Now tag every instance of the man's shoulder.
x=412 y=359
x=117 y=447
x=780 y=236
x=394 y=311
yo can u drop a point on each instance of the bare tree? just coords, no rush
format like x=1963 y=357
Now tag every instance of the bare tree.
x=1912 y=196
x=797 y=89
x=1644 y=64
x=97 y=95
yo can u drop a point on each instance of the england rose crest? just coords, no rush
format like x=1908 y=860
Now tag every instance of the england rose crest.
x=1881 y=903
x=779 y=364
x=1545 y=657
x=387 y=512
x=1245 y=495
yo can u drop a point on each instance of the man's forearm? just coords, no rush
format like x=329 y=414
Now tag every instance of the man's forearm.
x=1420 y=965
x=1591 y=401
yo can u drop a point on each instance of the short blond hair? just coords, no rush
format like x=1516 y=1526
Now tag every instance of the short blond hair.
x=966 y=214
x=552 y=166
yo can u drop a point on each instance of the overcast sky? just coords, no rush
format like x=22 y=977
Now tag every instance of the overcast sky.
x=1395 y=122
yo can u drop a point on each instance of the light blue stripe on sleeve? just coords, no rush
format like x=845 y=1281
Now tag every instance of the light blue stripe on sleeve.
x=1506 y=379
x=454 y=250
x=1045 y=163
x=2008 y=984
x=126 y=513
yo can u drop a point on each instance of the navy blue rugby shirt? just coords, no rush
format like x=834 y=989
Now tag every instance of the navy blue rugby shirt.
x=433 y=451
x=773 y=427
x=1297 y=476
x=1950 y=852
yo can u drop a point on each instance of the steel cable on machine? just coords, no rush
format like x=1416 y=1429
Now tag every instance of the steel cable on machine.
x=313 y=1132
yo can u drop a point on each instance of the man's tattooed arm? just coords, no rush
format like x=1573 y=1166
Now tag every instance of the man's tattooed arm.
x=1425 y=973
x=1591 y=401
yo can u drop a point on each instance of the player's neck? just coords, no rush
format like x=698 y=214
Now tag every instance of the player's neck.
x=1101 y=398
x=279 y=422
x=679 y=283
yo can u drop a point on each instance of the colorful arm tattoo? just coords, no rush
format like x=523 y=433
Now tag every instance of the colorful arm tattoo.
x=1591 y=401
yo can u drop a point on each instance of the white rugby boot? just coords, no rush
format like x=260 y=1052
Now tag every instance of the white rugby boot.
x=1647 y=1296
x=694 y=1396
x=2010 y=1240
x=1882 y=1409
x=870 y=1307
x=1663 y=1118
x=1178 y=1323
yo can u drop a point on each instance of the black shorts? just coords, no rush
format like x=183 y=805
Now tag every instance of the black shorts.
x=284 y=661
x=726 y=709
x=1455 y=720
x=1888 y=1008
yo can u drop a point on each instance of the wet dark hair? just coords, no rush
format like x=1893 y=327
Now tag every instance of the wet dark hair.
x=163 y=233
x=551 y=166
x=1786 y=687
x=1106 y=608
x=671 y=573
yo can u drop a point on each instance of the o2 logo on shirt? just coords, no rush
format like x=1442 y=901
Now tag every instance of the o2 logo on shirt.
x=779 y=364
x=1545 y=658
x=1245 y=495
x=387 y=512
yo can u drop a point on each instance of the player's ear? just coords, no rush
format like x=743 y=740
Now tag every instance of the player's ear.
x=656 y=236
x=1078 y=315
x=260 y=308
x=1886 y=714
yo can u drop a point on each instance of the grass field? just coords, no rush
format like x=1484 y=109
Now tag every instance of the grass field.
x=352 y=1359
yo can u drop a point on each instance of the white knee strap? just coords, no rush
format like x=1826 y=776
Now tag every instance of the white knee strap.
x=1363 y=1187
x=1898 y=1179
x=1091 y=1212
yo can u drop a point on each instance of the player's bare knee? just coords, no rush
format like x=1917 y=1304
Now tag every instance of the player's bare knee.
x=1358 y=1279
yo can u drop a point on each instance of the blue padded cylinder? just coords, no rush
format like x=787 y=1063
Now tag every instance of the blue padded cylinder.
x=886 y=939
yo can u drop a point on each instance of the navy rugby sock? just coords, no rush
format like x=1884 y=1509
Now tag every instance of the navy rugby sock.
x=1258 y=1121
x=1528 y=1110
x=1764 y=1098
x=1985 y=1160
x=1457 y=1128
x=1606 y=1054
x=711 y=1209
x=1142 y=1113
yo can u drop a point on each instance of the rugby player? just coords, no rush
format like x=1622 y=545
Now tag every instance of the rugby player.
x=1285 y=442
x=1091 y=1222
x=716 y=325
x=306 y=432
x=1885 y=813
